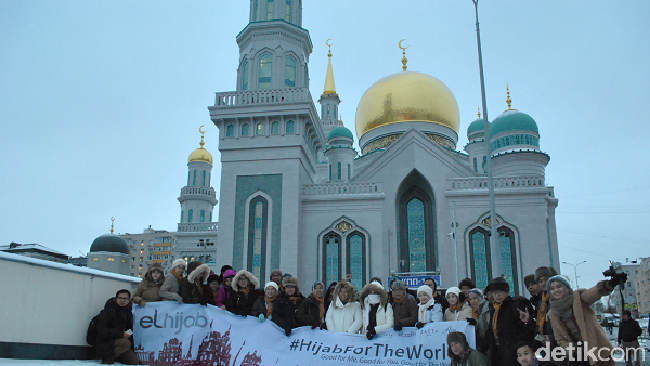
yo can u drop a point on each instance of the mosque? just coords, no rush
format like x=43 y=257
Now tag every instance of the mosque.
x=296 y=195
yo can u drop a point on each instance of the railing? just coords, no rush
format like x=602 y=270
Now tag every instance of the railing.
x=208 y=191
x=482 y=183
x=261 y=96
x=340 y=188
x=195 y=227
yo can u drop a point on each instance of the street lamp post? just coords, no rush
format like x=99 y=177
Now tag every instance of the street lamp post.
x=575 y=271
x=494 y=244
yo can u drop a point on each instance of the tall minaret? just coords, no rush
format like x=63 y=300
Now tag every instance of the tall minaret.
x=197 y=197
x=329 y=100
x=273 y=48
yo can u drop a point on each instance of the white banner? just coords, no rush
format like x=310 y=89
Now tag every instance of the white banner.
x=166 y=333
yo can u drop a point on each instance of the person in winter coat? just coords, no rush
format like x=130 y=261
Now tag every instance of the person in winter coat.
x=344 y=314
x=191 y=287
x=543 y=325
x=534 y=290
x=263 y=306
x=170 y=288
x=460 y=352
x=115 y=331
x=436 y=296
x=276 y=276
x=312 y=309
x=574 y=320
x=284 y=312
x=628 y=333
x=329 y=296
x=377 y=312
x=465 y=285
x=459 y=309
x=149 y=289
x=244 y=293
x=428 y=310
x=510 y=323
x=226 y=288
x=211 y=291
x=405 y=308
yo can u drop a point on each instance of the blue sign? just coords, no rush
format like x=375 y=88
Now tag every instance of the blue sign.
x=417 y=281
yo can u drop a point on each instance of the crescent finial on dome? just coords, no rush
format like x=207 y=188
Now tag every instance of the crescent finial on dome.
x=508 y=100
x=404 y=60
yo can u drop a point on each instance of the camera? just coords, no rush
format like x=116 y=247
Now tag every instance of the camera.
x=616 y=278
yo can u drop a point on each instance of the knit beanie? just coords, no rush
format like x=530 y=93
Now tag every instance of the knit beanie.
x=271 y=284
x=558 y=278
x=317 y=283
x=452 y=290
x=477 y=292
x=179 y=262
x=399 y=284
x=529 y=280
x=544 y=271
x=229 y=273
x=427 y=289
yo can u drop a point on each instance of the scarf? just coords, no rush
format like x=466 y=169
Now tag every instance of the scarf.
x=293 y=299
x=269 y=305
x=541 y=313
x=422 y=311
x=321 y=307
x=456 y=307
x=495 y=317
x=246 y=291
x=394 y=299
x=564 y=306
x=475 y=313
x=177 y=275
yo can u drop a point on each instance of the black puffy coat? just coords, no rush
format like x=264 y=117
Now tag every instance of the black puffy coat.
x=240 y=303
x=308 y=312
x=284 y=311
x=113 y=321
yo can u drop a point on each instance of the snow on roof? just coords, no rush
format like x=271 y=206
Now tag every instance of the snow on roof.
x=21 y=247
x=66 y=267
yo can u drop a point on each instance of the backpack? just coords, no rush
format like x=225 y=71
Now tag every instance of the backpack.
x=91 y=336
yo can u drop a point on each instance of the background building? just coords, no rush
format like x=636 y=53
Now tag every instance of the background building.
x=642 y=286
x=35 y=251
x=629 y=290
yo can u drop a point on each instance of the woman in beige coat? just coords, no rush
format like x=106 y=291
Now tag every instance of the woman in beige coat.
x=574 y=321
x=148 y=289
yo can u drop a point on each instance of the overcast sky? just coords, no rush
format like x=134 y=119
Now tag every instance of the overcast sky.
x=101 y=101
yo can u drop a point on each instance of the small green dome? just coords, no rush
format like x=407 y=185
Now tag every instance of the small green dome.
x=475 y=126
x=513 y=120
x=109 y=243
x=340 y=132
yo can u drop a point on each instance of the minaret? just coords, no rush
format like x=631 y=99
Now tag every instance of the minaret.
x=197 y=197
x=340 y=154
x=475 y=148
x=329 y=100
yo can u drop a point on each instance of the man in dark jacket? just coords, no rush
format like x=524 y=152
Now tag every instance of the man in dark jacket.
x=534 y=290
x=511 y=322
x=405 y=308
x=628 y=334
x=284 y=310
x=115 y=330
x=191 y=286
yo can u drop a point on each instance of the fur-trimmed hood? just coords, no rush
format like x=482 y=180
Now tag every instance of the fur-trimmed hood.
x=148 y=278
x=201 y=270
x=351 y=290
x=376 y=287
x=253 y=280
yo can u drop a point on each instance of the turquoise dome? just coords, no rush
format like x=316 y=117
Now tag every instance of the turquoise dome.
x=340 y=132
x=109 y=243
x=513 y=120
x=475 y=126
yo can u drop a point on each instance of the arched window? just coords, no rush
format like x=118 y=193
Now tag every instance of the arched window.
x=244 y=76
x=335 y=115
x=210 y=217
x=418 y=225
x=190 y=215
x=181 y=216
x=244 y=129
x=188 y=177
x=290 y=71
x=339 y=171
x=509 y=258
x=330 y=172
x=230 y=130
x=275 y=128
x=291 y=126
x=331 y=258
x=349 y=172
x=475 y=165
x=479 y=256
x=255 y=9
x=328 y=110
x=356 y=255
x=306 y=77
x=265 y=71
x=202 y=216
x=194 y=179
x=260 y=128
x=203 y=180
x=287 y=11
x=257 y=229
x=269 y=10
x=209 y=178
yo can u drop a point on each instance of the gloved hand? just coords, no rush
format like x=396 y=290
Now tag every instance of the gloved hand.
x=287 y=331
x=471 y=321
x=180 y=300
x=397 y=326
x=371 y=332
x=315 y=325
x=419 y=325
x=323 y=326
x=261 y=316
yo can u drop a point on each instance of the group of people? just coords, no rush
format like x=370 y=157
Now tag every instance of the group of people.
x=508 y=328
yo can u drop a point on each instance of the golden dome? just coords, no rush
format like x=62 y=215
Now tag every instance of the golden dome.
x=200 y=154
x=407 y=96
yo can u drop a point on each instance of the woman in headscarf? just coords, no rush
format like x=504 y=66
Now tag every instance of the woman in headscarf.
x=377 y=312
x=428 y=310
x=312 y=309
x=148 y=290
x=574 y=321
x=459 y=309
x=263 y=307
x=284 y=311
